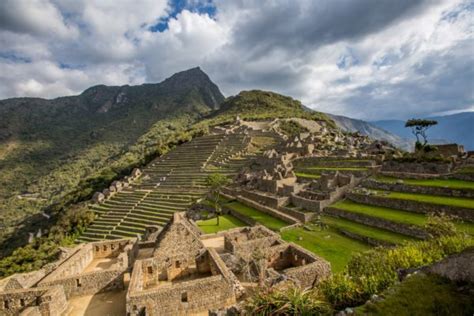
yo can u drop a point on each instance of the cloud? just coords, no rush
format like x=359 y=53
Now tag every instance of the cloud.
x=367 y=59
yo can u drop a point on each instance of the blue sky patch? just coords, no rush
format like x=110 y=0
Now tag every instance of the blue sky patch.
x=177 y=6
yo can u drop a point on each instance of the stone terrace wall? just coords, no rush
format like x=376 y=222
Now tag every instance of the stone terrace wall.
x=265 y=199
x=265 y=209
x=49 y=301
x=301 y=216
x=400 y=187
x=417 y=167
x=307 y=204
x=378 y=222
x=412 y=206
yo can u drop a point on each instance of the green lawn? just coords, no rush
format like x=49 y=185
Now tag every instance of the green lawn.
x=260 y=217
x=434 y=199
x=448 y=183
x=327 y=243
x=307 y=175
x=226 y=221
x=367 y=231
x=394 y=215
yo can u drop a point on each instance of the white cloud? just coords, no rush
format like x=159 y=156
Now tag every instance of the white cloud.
x=357 y=58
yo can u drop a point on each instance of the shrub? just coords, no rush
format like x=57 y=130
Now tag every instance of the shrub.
x=375 y=270
x=288 y=301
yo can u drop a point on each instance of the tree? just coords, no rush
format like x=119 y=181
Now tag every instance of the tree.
x=419 y=128
x=216 y=181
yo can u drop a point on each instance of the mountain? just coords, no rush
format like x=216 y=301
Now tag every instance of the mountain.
x=53 y=149
x=365 y=128
x=456 y=128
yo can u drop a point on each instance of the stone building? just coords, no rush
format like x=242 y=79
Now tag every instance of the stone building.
x=265 y=256
x=181 y=277
x=95 y=267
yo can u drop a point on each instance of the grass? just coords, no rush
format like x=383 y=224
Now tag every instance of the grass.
x=442 y=183
x=390 y=214
x=307 y=175
x=226 y=222
x=327 y=243
x=433 y=296
x=260 y=217
x=394 y=215
x=338 y=168
x=465 y=170
x=433 y=199
x=366 y=231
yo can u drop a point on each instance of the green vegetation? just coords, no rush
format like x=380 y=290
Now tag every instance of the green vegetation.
x=215 y=182
x=366 y=231
x=419 y=128
x=307 y=175
x=337 y=168
x=327 y=243
x=426 y=198
x=258 y=216
x=287 y=301
x=227 y=221
x=465 y=170
x=292 y=128
x=442 y=183
x=374 y=271
x=434 y=296
x=46 y=248
x=390 y=214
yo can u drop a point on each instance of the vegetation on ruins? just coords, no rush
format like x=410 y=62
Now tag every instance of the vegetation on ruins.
x=434 y=296
x=215 y=182
x=373 y=271
x=291 y=128
x=419 y=128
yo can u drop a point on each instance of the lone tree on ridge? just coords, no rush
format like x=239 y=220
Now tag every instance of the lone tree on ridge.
x=216 y=181
x=419 y=128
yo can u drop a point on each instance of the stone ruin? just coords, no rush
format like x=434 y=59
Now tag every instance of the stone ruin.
x=256 y=254
x=88 y=269
x=181 y=277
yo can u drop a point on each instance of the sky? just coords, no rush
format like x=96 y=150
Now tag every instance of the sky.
x=367 y=59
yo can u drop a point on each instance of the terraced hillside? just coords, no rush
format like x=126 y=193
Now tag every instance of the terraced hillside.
x=169 y=184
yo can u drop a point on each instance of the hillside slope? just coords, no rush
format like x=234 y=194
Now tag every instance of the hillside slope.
x=50 y=149
x=365 y=128
x=457 y=128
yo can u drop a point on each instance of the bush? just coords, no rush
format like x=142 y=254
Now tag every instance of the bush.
x=288 y=301
x=375 y=270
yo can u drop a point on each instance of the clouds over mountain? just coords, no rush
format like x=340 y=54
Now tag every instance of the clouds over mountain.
x=367 y=59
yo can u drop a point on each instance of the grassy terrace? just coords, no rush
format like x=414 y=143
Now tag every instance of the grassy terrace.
x=260 y=217
x=426 y=198
x=443 y=183
x=226 y=221
x=307 y=175
x=394 y=215
x=327 y=243
x=337 y=168
x=366 y=231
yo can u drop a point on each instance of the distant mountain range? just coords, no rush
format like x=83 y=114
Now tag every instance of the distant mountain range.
x=456 y=128
x=352 y=125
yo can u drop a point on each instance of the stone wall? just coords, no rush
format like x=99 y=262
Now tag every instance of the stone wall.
x=265 y=209
x=49 y=301
x=307 y=204
x=378 y=222
x=265 y=199
x=417 y=167
x=301 y=216
x=184 y=297
x=400 y=187
x=412 y=206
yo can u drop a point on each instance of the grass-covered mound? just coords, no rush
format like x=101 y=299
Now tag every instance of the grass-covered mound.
x=269 y=221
